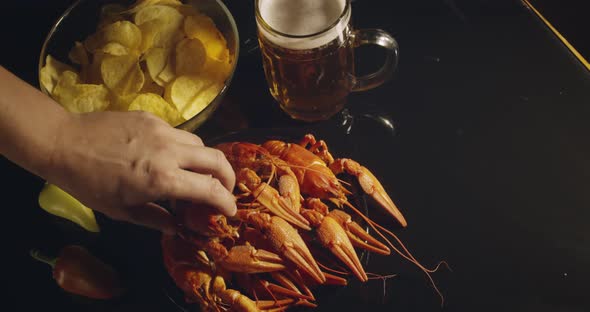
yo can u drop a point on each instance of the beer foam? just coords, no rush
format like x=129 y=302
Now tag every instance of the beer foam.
x=302 y=18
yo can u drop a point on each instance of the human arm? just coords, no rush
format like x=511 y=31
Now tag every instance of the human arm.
x=117 y=163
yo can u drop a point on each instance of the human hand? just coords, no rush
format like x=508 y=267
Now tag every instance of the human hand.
x=119 y=163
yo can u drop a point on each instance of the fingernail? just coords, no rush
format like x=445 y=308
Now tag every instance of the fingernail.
x=233 y=211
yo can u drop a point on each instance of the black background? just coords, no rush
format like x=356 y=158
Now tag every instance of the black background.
x=488 y=161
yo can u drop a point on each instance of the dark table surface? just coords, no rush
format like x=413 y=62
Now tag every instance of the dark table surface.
x=488 y=158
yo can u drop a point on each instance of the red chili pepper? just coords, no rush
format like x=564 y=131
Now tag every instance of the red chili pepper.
x=79 y=272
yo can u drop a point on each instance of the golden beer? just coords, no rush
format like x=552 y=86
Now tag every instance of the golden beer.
x=307 y=53
x=309 y=84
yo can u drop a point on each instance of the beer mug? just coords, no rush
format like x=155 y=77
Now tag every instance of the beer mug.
x=307 y=54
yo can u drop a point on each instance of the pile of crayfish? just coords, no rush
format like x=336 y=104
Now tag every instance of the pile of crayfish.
x=291 y=213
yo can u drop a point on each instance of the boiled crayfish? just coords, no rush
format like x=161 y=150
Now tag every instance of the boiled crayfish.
x=269 y=250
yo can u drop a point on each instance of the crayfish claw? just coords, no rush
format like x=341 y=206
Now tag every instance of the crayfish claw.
x=237 y=301
x=247 y=259
x=303 y=259
x=288 y=280
x=357 y=235
x=332 y=236
x=276 y=289
x=285 y=240
x=370 y=185
x=273 y=305
x=270 y=198
x=332 y=279
x=306 y=303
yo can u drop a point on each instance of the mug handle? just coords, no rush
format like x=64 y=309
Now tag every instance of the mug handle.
x=383 y=39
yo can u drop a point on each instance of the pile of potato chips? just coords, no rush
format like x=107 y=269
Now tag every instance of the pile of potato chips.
x=159 y=56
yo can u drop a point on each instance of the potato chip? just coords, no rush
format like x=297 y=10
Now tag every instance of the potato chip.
x=155 y=104
x=121 y=102
x=217 y=49
x=168 y=73
x=168 y=19
x=205 y=97
x=50 y=73
x=156 y=59
x=80 y=98
x=78 y=54
x=112 y=9
x=140 y=4
x=89 y=98
x=122 y=74
x=91 y=73
x=68 y=78
x=94 y=42
x=187 y=10
x=183 y=90
x=199 y=26
x=111 y=13
x=150 y=31
x=217 y=70
x=191 y=94
x=203 y=28
x=141 y=59
x=123 y=32
x=177 y=36
x=190 y=57
x=115 y=48
x=150 y=86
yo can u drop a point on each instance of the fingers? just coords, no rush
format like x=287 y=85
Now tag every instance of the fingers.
x=153 y=216
x=208 y=161
x=202 y=189
x=204 y=175
x=204 y=160
x=186 y=137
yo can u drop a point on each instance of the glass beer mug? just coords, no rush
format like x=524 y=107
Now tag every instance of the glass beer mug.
x=307 y=53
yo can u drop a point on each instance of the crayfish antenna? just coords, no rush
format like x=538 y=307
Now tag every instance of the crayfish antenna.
x=272 y=305
x=289 y=279
x=332 y=279
x=408 y=256
x=357 y=235
x=273 y=289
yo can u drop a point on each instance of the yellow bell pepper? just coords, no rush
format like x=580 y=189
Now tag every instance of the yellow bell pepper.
x=59 y=203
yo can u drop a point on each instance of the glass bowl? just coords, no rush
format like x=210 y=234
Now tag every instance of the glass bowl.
x=80 y=20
